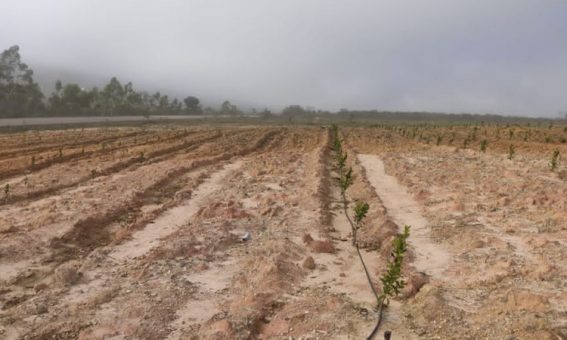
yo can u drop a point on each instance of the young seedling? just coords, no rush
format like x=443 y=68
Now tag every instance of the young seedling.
x=60 y=153
x=33 y=161
x=483 y=145
x=511 y=151
x=360 y=211
x=392 y=280
x=6 y=192
x=439 y=139
x=346 y=180
x=341 y=160
x=554 y=160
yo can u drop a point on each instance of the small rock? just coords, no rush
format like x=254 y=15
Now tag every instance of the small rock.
x=309 y=263
x=41 y=308
x=40 y=286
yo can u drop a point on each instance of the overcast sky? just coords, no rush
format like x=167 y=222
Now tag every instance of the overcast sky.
x=483 y=56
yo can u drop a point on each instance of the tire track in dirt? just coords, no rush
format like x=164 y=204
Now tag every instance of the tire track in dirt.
x=430 y=258
x=141 y=241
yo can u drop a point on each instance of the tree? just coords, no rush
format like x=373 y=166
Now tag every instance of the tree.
x=19 y=94
x=192 y=105
x=266 y=113
x=293 y=110
x=112 y=97
x=70 y=100
x=175 y=106
x=228 y=109
x=134 y=103
x=163 y=105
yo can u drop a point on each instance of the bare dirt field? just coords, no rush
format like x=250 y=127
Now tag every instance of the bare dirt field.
x=237 y=232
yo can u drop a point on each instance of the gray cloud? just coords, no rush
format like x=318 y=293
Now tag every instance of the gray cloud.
x=502 y=56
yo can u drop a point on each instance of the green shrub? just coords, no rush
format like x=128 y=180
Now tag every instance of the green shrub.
x=554 y=160
x=6 y=192
x=346 y=180
x=360 y=211
x=511 y=151
x=483 y=145
x=392 y=280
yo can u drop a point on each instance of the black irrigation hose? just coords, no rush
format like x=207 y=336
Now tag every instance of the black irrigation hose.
x=379 y=300
x=378 y=322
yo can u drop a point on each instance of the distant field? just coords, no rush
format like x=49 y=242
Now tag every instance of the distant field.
x=82 y=120
x=136 y=232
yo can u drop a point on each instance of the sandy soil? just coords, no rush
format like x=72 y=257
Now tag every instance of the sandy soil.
x=501 y=222
x=238 y=233
x=430 y=258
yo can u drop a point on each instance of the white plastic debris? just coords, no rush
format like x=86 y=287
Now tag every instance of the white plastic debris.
x=246 y=236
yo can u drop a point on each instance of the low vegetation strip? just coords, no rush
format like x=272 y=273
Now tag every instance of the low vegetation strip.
x=392 y=280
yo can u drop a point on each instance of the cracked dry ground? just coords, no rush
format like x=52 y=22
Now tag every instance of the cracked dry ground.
x=137 y=234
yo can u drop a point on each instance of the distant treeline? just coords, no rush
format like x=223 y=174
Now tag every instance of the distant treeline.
x=21 y=96
x=299 y=114
x=438 y=118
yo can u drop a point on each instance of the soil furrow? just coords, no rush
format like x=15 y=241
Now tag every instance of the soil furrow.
x=80 y=154
x=153 y=157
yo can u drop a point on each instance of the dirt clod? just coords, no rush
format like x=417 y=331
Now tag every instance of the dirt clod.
x=309 y=263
